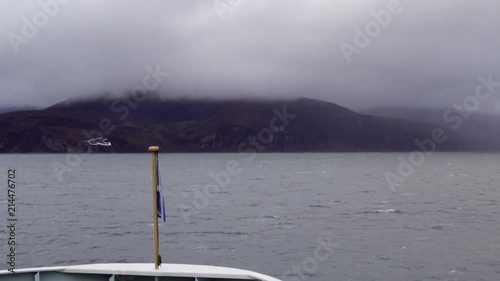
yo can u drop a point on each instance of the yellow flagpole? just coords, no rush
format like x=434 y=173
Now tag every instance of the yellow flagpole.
x=154 y=150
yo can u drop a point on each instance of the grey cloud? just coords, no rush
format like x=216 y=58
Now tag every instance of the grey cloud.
x=429 y=55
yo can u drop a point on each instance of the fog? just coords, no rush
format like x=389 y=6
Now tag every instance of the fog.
x=419 y=53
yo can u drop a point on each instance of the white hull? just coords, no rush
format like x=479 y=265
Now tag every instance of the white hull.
x=132 y=272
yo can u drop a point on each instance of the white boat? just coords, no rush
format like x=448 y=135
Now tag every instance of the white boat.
x=133 y=272
x=136 y=271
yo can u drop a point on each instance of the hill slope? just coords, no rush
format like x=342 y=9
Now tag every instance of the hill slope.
x=210 y=126
x=481 y=129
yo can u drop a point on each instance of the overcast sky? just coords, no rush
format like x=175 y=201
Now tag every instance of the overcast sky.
x=430 y=54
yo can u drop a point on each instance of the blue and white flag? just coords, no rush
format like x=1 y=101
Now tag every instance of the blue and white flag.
x=159 y=194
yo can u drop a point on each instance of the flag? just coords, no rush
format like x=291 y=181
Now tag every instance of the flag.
x=160 y=203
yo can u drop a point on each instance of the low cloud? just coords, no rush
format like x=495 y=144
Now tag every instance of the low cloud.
x=429 y=55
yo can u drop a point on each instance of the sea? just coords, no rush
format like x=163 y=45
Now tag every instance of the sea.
x=294 y=216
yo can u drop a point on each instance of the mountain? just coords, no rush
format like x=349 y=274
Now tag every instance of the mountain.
x=11 y=109
x=480 y=129
x=202 y=125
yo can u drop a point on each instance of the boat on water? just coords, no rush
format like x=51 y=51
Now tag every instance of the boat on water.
x=133 y=272
x=136 y=271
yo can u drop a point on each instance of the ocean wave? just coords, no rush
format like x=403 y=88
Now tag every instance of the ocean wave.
x=270 y=217
x=381 y=211
x=388 y=211
x=319 y=206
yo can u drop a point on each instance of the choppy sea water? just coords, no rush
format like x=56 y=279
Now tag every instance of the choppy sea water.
x=441 y=223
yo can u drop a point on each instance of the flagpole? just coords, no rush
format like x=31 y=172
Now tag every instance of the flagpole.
x=154 y=150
